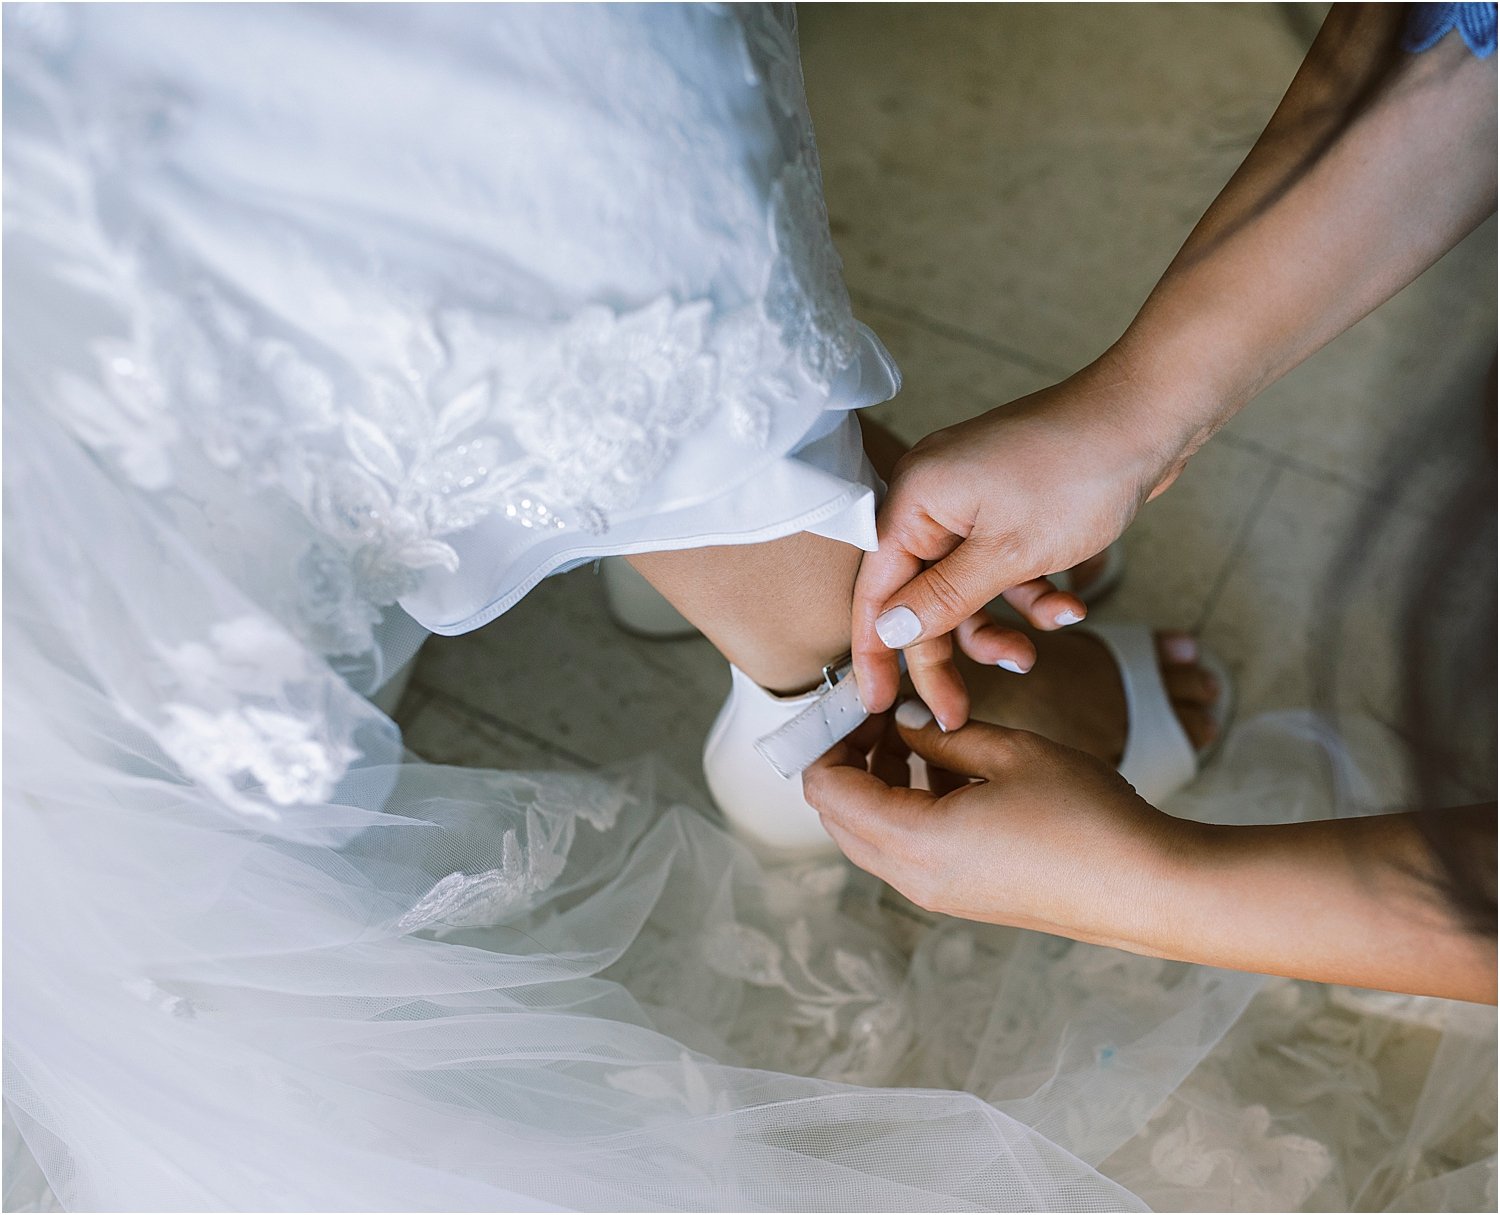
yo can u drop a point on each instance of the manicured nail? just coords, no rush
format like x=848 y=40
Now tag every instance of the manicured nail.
x=1010 y=664
x=1180 y=648
x=1068 y=617
x=898 y=627
x=914 y=715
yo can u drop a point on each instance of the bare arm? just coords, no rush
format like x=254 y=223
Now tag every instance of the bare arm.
x=1342 y=901
x=1051 y=839
x=1323 y=221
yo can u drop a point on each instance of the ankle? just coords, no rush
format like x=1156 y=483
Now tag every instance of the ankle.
x=786 y=678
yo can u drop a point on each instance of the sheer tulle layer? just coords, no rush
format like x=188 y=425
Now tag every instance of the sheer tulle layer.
x=257 y=958
x=442 y=988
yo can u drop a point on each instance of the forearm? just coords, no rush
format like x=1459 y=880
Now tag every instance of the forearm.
x=1340 y=901
x=1319 y=226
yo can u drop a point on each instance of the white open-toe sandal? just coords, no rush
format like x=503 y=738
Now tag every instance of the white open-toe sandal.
x=1159 y=758
x=760 y=743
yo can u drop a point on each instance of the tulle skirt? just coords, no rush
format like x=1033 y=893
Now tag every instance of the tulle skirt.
x=297 y=358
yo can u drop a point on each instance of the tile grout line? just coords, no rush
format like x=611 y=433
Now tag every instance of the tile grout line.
x=1237 y=547
x=412 y=702
x=1295 y=463
x=497 y=723
x=957 y=333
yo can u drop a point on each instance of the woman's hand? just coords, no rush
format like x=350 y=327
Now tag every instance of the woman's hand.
x=1345 y=198
x=1048 y=838
x=1045 y=837
x=990 y=506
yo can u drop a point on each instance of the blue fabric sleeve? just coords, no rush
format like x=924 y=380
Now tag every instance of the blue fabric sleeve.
x=1429 y=22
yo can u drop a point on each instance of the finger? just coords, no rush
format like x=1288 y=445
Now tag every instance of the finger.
x=844 y=755
x=859 y=850
x=1045 y=607
x=890 y=738
x=987 y=641
x=866 y=736
x=941 y=596
x=943 y=782
x=861 y=803
x=937 y=681
x=877 y=672
x=979 y=749
x=891 y=766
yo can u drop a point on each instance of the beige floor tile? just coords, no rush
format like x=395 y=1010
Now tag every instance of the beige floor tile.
x=1303 y=628
x=1265 y=621
x=1026 y=171
x=946 y=378
x=443 y=730
x=556 y=669
x=1182 y=546
x=1344 y=410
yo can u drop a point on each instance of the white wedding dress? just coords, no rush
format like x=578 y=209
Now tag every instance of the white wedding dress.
x=327 y=326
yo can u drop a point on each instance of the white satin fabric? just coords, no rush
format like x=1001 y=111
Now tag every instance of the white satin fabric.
x=300 y=302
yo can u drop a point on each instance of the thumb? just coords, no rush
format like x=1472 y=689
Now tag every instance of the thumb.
x=941 y=597
x=978 y=749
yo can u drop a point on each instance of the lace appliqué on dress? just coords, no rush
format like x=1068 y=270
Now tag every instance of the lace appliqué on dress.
x=805 y=296
x=602 y=409
x=531 y=860
x=553 y=424
x=246 y=719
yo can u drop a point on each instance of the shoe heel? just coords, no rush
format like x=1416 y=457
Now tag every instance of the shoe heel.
x=760 y=806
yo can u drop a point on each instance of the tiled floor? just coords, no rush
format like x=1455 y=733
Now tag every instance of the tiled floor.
x=1005 y=182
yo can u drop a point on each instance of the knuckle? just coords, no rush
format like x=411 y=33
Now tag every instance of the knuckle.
x=1018 y=748
x=926 y=657
x=924 y=888
x=945 y=594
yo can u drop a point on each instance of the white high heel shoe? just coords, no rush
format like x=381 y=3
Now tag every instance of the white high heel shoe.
x=757 y=749
x=760 y=743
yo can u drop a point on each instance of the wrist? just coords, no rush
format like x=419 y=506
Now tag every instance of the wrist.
x=1173 y=397
x=1152 y=911
x=1140 y=416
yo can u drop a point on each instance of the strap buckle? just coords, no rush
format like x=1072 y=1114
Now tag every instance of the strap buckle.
x=837 y=671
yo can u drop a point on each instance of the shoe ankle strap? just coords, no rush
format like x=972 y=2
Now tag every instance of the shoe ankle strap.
x=831 y=715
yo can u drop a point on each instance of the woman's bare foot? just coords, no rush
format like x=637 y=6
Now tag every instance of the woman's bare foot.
x=1074 y=695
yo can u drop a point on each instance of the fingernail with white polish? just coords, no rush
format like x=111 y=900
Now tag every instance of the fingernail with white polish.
x=1068 y=617
x=1010 y=664
x=898 y=627
x=913 y=714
